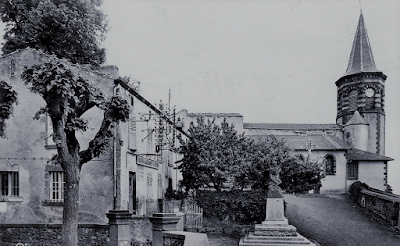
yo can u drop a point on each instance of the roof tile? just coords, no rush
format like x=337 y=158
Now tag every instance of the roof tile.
x=284 y=126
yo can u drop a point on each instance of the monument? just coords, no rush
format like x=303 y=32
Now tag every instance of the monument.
x=275 y=229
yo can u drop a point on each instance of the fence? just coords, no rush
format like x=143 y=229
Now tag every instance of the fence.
x=193 y=217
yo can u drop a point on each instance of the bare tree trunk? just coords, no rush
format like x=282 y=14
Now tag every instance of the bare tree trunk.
x=71 y=205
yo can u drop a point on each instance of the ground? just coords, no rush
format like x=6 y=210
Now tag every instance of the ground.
x=221 y=240
x=333 y=221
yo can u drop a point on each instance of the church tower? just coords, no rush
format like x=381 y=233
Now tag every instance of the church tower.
x=362 y=89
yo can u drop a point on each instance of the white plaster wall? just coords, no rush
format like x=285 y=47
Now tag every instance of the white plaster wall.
x=372 y=173
x=358 y=136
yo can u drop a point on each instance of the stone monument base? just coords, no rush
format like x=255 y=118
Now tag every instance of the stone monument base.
x=275 y=230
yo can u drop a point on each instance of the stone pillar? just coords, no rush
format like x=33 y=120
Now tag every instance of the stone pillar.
x=162 y=222
x=275 y=208
x=119 y=221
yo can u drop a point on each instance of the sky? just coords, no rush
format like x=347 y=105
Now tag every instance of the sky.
x=271 y=61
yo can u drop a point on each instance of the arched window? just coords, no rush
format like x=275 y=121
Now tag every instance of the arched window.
x=330 y=165
x=353 y=100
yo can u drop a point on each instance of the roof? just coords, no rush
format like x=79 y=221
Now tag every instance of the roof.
x=356 y=119
x=284 y=126
x=318 y=141
x=361 y=58
x=214 y=115
x=361 y=155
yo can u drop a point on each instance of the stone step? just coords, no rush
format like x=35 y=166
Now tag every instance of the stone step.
x=286 y=228
x=276 y=222
x=281 y=241
x=244 y=242
x=297 y=237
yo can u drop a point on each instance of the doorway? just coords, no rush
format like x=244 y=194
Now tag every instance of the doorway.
x=132 y=193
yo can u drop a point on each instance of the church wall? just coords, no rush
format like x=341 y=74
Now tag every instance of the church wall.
x=331 y=184
x=373 y=132
x=372 y=173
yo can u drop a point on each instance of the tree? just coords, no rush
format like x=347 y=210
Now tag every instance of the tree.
x=70 y=29
x=68 y=96
x=210 y=154
x=269 y=157
x=299 y=176
x=7 y=99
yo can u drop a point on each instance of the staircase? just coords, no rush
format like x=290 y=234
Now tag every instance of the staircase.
x=274 y=233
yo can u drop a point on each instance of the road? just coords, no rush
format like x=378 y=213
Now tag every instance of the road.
x=333 y=221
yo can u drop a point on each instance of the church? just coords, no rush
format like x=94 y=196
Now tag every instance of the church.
x=350 y=150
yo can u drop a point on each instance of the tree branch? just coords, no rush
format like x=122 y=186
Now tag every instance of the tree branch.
x=100 y=142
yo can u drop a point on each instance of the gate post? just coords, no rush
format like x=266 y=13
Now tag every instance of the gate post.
x=162 y=222
x=119 y=221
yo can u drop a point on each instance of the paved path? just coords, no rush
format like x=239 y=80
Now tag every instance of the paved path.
x=335 y=222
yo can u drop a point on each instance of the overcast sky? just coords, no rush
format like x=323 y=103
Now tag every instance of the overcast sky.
x=271 y=61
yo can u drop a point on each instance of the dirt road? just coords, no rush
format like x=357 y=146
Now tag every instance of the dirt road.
x=335 y=222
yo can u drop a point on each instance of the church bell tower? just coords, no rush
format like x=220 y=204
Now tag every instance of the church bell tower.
x=362 y=89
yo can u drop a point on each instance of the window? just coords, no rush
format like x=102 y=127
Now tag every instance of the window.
x=9 y=183
x=370 y=102
x=352 y=170
x=132 y=132
x=149 y=185
x=57 y=186
x=353 y=100
x=330 y=165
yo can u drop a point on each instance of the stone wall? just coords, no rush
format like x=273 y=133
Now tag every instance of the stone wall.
x=382 y=204
x=50 y=234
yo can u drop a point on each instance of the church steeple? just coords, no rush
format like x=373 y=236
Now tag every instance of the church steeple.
x=362 y=89
x=361 y=58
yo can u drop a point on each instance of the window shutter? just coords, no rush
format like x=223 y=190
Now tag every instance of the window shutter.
x=132 y=132
x=49 y=131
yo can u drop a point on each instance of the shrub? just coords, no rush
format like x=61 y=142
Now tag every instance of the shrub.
x=242 y=207
x=355 y=190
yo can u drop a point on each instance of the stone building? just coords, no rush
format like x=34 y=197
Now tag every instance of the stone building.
x=132 y=174
x=349 y=150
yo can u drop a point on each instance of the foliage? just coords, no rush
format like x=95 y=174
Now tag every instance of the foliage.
x=268 y=157
x=135 y=242
x=68 y=96
x=171 y=194
x=210 y=154
x=70 y=29
x=389 y=189
x=265 y=157
x=243 y=207
x=7 y=98
x=300 y=176
x=216 y=154
x=355 y=190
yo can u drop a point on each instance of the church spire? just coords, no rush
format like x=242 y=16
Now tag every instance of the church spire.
x=361 y=58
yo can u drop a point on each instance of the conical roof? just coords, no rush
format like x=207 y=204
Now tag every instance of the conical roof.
x=356 y=119
x=361 y=58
